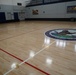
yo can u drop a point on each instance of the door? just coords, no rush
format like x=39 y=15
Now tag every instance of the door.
x=2 y=17
x=9 y=16
x=16 y=16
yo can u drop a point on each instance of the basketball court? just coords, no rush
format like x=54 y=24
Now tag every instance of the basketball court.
x=25 y=45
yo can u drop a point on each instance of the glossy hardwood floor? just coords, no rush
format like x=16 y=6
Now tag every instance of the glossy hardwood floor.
x=25 y=39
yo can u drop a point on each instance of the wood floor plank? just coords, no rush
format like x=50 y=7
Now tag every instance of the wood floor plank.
x=22 y=39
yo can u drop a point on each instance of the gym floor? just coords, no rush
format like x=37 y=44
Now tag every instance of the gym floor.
x=25 y=40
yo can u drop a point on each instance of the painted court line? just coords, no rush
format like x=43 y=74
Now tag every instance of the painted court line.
x=27 y=59
x=21 y=34
x=25 y=62
x=36 y=53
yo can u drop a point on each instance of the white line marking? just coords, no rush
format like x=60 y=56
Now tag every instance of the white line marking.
x=9 y=71
x=30 y=57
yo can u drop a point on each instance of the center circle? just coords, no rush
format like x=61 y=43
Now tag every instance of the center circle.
x=62 y=34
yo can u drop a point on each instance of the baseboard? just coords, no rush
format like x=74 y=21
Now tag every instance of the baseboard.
x=50 y=19
x=9 y=21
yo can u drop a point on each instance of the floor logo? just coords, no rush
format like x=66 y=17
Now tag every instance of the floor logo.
x=63 y=34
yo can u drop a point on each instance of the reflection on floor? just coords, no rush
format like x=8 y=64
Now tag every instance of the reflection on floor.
x=22 y=40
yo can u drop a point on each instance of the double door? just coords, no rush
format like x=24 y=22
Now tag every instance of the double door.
x=9 y=15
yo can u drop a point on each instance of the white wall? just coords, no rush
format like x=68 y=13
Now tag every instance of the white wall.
x=51 y=11
x=6 y=2
x=13 y=2
x=10 y=6
x=57 y=10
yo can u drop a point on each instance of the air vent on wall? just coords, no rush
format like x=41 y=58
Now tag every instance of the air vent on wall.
x=19 y=4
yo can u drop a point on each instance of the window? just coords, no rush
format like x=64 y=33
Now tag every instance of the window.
x=47 y=1
x=43 y=2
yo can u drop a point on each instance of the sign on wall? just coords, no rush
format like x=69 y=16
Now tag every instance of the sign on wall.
x=35 y=12
x=71 y=9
